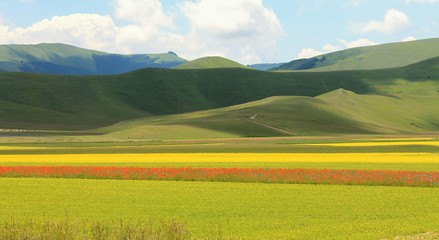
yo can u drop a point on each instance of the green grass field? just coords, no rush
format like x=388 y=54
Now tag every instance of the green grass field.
x=247 y=211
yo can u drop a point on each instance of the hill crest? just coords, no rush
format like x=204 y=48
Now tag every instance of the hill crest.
x=389 y=55
x=210 y=62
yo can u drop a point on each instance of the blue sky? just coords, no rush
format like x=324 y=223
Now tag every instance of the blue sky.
x=248 y=31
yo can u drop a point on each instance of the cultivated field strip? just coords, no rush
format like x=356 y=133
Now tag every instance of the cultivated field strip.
x=225 y=157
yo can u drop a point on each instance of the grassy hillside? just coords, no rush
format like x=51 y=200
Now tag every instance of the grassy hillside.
x=371 y=57
x=210 y=62
x=336 y=112
x=35 y=101
x=55 y=58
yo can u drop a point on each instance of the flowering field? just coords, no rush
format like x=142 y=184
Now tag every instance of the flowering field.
x=27 y=159
x=254 y=175
x=228 y=191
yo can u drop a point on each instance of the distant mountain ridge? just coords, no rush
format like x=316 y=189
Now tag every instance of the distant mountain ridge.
x=264 y=66
x=57 y=58
x=381 y=56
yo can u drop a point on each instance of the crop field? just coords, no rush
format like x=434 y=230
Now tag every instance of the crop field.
x=241 y=210
x=286 y=188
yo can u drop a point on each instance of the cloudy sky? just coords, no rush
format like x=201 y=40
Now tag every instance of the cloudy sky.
x=248 y=31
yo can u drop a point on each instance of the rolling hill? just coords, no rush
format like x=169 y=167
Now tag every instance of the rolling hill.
x=337 y=112
x=372 y=57
x=35 y=101
x=210 y=62
x=56 y=58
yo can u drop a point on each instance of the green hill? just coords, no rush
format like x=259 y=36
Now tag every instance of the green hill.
x=336 y=112
x=210 y=62
x=56 y=58
x=34 y=101
x=372 y=57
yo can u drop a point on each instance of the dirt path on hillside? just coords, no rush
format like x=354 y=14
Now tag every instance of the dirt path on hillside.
x=272 y=127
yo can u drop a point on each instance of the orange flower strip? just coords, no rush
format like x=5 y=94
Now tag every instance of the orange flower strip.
x=254 y=175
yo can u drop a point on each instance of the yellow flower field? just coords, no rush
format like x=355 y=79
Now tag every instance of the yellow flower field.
x=377 y=144
x=225 y=157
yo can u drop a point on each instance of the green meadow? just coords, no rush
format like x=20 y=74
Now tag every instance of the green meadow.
x=239 y=211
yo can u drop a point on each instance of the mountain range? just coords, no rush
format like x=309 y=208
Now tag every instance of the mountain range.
x=216 y=97
x=56 y=58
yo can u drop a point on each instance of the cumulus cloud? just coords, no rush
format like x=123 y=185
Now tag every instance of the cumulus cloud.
x=140 y=29
x=362 y=42
x=407 y=39
x=4 y=30
x=422 y=1
x=328 y=48
x=144 y=12
x=87 y=30
x=146 y=24
x=239 y=27
x=244 y=30
x=394 y=20
x=309 y=53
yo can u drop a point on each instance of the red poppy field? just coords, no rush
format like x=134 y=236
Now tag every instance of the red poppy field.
x=251 y=175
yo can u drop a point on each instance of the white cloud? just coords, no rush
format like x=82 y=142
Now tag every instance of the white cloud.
x=4 y=30
x=146 y=23
x=308 y=53
x=242 y=29
x=142 y=33
x=328 y=48
x=421 y=1
x=87 y=30
x=407 y=39
x=311 y=52
x=144 y=12
x=394 y=20
x=362 y=42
